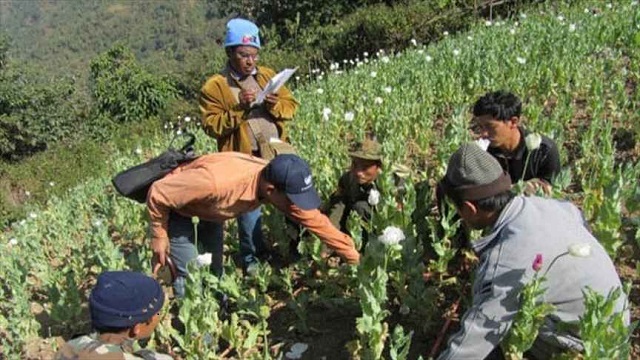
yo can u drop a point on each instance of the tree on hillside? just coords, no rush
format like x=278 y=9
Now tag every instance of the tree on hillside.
x=34 y=112
x=123 y=91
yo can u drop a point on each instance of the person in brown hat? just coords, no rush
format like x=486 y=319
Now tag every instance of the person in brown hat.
x=357 y=190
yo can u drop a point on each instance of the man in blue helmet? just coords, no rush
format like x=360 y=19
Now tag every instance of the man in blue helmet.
x=231 y=117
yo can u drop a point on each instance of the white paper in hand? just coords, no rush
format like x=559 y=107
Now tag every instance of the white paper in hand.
x=274 y=84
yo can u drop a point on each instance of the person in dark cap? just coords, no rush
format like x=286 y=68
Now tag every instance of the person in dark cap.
x=357 y=190
x=125 y=306
x=218 y=187
x=231 y=117
x=517 y=230
x=496 y=118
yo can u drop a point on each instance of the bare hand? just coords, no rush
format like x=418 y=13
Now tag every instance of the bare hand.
x=271 y=99
x=160 y=248
x=247 y=97
x=531 y=187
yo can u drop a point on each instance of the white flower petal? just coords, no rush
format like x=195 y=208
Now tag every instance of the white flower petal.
x=374 y=197
x=349 y=116
x=391 y=236
x=203 y=259
x=533 y=141
x=580 y=250
x=483 y=143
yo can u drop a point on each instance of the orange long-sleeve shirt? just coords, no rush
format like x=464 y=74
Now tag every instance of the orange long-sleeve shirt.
x=221 y=186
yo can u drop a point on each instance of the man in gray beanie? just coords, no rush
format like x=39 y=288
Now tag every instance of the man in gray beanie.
x=517 y=231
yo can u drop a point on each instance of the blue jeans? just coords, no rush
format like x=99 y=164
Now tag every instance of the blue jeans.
x=183 y=249
x=250 y=235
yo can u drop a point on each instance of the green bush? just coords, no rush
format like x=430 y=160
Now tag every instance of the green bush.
x=34 y=112
x=125 y=92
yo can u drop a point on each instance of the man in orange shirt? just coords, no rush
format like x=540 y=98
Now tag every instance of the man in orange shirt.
x=221 y=186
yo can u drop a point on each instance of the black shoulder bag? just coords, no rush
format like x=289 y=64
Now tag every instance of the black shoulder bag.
x=134 y=183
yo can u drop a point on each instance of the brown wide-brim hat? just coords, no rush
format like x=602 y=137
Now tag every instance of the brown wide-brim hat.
x=367 y=150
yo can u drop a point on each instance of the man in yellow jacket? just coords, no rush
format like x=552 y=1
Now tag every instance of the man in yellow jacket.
x=230 y=115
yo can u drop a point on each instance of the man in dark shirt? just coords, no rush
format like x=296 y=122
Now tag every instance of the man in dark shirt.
x=496 y=117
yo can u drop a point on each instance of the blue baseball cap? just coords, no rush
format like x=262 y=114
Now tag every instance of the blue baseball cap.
x=291 y=174
x=242 y=32
x=122 y=299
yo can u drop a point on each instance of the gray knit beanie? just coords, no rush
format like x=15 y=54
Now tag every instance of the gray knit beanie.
x=473 y=174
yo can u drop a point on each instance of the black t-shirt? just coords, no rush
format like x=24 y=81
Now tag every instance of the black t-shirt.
x=544 y=162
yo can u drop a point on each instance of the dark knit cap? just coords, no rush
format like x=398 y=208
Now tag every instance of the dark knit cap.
x=474 y=174
x=122 y=299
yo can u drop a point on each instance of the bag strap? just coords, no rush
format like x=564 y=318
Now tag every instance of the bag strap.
x=191 y=139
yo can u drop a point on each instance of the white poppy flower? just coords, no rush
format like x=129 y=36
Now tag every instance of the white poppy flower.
x=179 y=132
x=388 y=89
x=138 y=151
x=421 y=51
x=512 y=31
x=13 y=242
x=580 y=250
x=52 y=184
x=27 y=193
x=456 y=52
x=488 y=23
x=445 y=33
x=414 y=42
x=533 y=141
x=326 y=112
x=469 y=38
x=203 y=259
x=349 y=116
x=428 y=58
x=523 y=16
x=374 y=74
x=560 y=18
x=374 y=197
x=521 y=60
x=365 y=54
x=385 y=59
x=187 y=118
x=609 y=6
x=391 y=236
x=296 y=351
x=377 y=100
x=33 y=215
x=572 y=27
x=320 y=91
x=483 y=143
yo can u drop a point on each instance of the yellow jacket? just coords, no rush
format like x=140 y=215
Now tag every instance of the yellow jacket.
x=224 y=119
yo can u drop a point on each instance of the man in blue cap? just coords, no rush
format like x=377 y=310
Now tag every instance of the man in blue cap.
x=220 y=186
x=231 y=117
x=125 y=306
